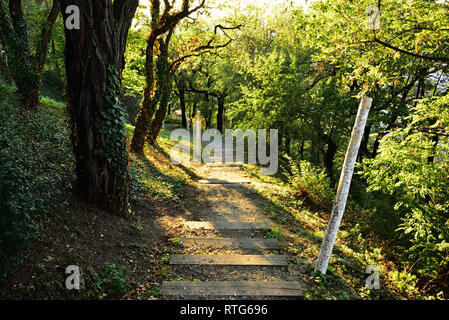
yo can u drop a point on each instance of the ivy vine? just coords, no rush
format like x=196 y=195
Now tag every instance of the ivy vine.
x=113 y=130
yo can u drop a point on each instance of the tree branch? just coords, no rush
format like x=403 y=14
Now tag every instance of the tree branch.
x=416 y=55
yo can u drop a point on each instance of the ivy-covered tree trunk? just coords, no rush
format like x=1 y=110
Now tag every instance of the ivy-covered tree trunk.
x=160 y=24
x=25 y=68
x=4 y=70
x=94 y=58
x=149 y=101
x=163 y=74
x=15 y=36
x=158 y=120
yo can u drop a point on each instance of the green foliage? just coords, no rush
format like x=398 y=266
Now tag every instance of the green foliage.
x=134 y=74
x=111 y=281
x=36 y=169
x=311 y=183
x=414 y=168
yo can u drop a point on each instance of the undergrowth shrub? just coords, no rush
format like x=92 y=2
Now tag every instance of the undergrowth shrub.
x=112 y=281
x=413 y=167
x=311 y=184
x=36 y=169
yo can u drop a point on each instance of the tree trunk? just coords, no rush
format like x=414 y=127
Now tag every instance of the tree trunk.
x=156 y=124
x=376 y=144
x=195 y=105
x=46 y=31
x=164 y=78
x=329 y=158
x=209 y=119
x=182 y=101
x=25 y=71
x=94 y=57
x=287 y=143
x=4 y=69
x=364 y=144
x=17 y=46
x=149 y=101
x=160 y=24
x=221 y=101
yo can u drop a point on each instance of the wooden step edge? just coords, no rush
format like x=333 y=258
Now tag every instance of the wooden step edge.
x=229 y=260
x=220 y=181
x=243 y=243
x=227 y=225
x=233 y=289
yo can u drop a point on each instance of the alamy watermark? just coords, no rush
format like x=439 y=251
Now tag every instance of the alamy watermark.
x=220 y=149
x=373 y=280
x=373 y=21
x=73 y=281
x=73 y=19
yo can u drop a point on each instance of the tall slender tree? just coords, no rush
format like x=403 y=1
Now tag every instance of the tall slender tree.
x=160 y=24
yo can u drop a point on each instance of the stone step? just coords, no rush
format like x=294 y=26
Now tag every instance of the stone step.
x=229 y=260
x=243 y=243
x=226 y=225
x=214 y=289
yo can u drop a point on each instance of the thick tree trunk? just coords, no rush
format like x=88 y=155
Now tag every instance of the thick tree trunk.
x=94 y=58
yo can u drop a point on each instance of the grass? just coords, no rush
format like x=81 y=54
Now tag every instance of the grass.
x=300 y=229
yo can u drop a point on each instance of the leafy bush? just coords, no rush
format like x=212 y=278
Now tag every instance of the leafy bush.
x=413 y=166
x=113 y=280
x=36 y=168
x=311 y=184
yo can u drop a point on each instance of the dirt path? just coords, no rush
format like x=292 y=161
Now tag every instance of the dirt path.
x=238 y=254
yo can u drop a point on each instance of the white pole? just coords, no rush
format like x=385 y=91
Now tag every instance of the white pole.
x=343 y=186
